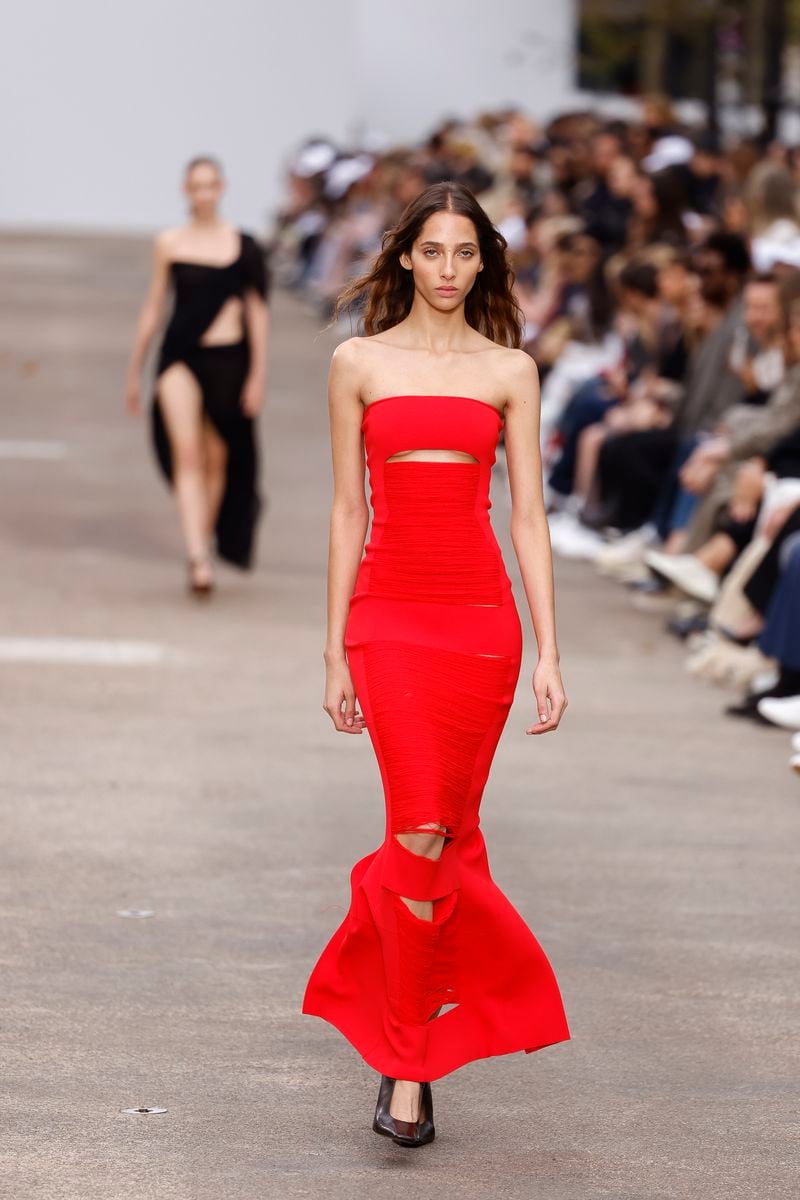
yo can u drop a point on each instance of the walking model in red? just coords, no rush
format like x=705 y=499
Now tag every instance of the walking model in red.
x=433 y=967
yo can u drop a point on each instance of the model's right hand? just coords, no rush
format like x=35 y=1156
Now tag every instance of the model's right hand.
x=338 y=691
x=133 y=401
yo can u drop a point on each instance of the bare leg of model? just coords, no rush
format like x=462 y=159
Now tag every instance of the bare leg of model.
x=406 y=1094
x=181 y=404
x=216 y=460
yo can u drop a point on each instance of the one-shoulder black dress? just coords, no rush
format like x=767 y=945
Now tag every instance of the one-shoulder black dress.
x=200 y=290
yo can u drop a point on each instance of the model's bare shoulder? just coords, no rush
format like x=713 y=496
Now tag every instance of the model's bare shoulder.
x=347 y=355
x=166 y=247
x=521 y=377
x=344 y=375
x=166 y=240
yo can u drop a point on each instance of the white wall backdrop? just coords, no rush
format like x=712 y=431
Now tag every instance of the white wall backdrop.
x=423 y=59
x=101 y=102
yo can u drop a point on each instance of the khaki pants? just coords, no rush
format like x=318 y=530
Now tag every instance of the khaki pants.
x=732 y=606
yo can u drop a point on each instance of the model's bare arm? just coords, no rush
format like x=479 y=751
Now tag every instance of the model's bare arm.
x=530 y=533
x=348 y=527
x=257 y=319
x=150 y=317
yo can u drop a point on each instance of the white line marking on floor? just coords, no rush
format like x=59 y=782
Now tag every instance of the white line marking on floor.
x=32 y=449
x=81 y=650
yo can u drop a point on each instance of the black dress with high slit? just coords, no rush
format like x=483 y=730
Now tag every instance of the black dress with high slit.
x=200 y=291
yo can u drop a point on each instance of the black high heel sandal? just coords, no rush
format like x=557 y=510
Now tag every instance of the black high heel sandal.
x=404 y=1133
x=200 y=589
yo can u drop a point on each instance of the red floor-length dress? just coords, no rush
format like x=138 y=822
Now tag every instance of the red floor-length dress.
x=434 y=644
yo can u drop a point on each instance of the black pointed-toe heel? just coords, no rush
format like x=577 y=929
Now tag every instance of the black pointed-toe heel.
x=421 y=1131
x=382 y=1122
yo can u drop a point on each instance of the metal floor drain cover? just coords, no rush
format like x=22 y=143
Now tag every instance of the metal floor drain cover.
x=143 y=1109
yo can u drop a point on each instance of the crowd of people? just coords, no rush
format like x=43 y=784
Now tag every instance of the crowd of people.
x=659 y=274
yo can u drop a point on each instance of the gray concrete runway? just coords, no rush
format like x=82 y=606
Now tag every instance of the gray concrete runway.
x=651 y=843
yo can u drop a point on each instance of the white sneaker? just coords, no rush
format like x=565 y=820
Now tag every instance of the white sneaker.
x=767 y=678
x=701 y=638
x=632 y=572
x=570 y=539
x=686 y=572
x=553 y=500
x=781 y=710
x=558 y=503
x=726 y=664
x=796 y=742
x=573 y=503
x=626 y=551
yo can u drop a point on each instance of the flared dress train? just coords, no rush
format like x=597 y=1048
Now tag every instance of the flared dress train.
x=434 y=645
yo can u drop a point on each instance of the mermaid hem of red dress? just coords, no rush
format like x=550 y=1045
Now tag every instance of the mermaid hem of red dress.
x=506 y=997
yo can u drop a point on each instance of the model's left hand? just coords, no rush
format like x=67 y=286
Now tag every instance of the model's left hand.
x=547 y=685
x=252 y=396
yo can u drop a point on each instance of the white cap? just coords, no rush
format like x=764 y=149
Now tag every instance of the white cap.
x=344 y=173
x=514 y=230
x=766 y=252
x=313 y=158
x=668 y=151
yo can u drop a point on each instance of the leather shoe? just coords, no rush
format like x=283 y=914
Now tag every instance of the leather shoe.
x=421 y=1131
x=404 y=1133
x=383 y=1122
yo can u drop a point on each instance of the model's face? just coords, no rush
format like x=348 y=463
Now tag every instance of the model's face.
x=445 y=259
x=203 y=189
x=762 y=313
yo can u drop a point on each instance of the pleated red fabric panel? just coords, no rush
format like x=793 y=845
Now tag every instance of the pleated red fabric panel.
x=429 y=710
x=447 y=558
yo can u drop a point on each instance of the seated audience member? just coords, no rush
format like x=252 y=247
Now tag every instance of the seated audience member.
x=581 y=309
x=638 y=471
x=757 y=351
x=637 y=321
x=744 y=430
x=698 y=574
x=774 y=591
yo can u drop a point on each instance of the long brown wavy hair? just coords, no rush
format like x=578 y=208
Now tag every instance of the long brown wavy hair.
x=387 y=288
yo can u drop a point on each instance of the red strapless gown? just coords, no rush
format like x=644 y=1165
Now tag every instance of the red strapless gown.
x=434 y=644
